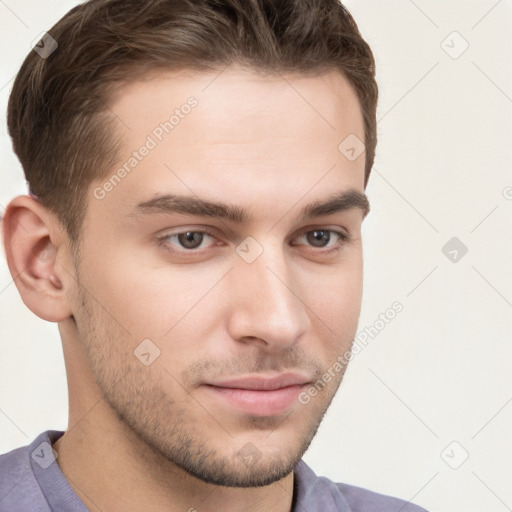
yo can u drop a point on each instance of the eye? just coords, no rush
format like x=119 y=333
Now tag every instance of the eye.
x=321 y=238
x=187 y=241
x=191 y=241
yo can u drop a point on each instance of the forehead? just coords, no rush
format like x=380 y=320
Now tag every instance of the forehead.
x=235 y=132
x=230 y=97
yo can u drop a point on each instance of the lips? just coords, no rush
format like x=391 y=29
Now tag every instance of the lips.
x=258 y=382
x=258 y=395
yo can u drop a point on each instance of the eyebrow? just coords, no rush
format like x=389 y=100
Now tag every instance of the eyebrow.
x=340 y=202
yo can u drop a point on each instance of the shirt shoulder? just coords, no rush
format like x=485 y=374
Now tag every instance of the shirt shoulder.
x=31 y=480
x=364 y=500
x=19 y=489
x=317 y=493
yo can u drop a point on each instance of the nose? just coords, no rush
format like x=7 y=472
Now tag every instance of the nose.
x=266 y=306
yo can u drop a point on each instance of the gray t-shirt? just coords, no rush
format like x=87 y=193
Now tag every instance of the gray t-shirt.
x=31 y=481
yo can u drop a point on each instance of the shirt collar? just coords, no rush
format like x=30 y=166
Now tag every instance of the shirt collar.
x=56 y=489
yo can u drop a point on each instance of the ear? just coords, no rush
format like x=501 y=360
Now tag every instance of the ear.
x=32 y=241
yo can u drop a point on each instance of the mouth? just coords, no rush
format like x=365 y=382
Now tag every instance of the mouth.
x=258 y=395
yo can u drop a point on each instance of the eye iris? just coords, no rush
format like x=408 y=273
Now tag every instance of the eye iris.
x=190 y=239
x=318 y=236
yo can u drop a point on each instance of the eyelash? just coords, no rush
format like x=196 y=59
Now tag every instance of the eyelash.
x=164 y=241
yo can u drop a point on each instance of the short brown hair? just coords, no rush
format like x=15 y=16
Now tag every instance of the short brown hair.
x=58 y=116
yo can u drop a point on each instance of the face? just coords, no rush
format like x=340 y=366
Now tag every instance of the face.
x=205 y=322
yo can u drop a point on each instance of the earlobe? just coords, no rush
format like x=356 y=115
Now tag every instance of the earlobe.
x=31 y=245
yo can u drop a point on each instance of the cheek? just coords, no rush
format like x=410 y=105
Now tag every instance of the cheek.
x=131 y=294
x=150 y=300
x=336 y=298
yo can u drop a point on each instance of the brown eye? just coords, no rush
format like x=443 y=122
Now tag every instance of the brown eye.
x=190 y=239
x=318 y=238
x=327 y=239
x=187 y=241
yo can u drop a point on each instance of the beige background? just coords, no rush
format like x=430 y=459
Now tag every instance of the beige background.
x=434 y=385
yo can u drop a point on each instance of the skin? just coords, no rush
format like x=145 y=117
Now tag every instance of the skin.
x=264 y=143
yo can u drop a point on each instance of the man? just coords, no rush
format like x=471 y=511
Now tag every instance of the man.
x=197 y=174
